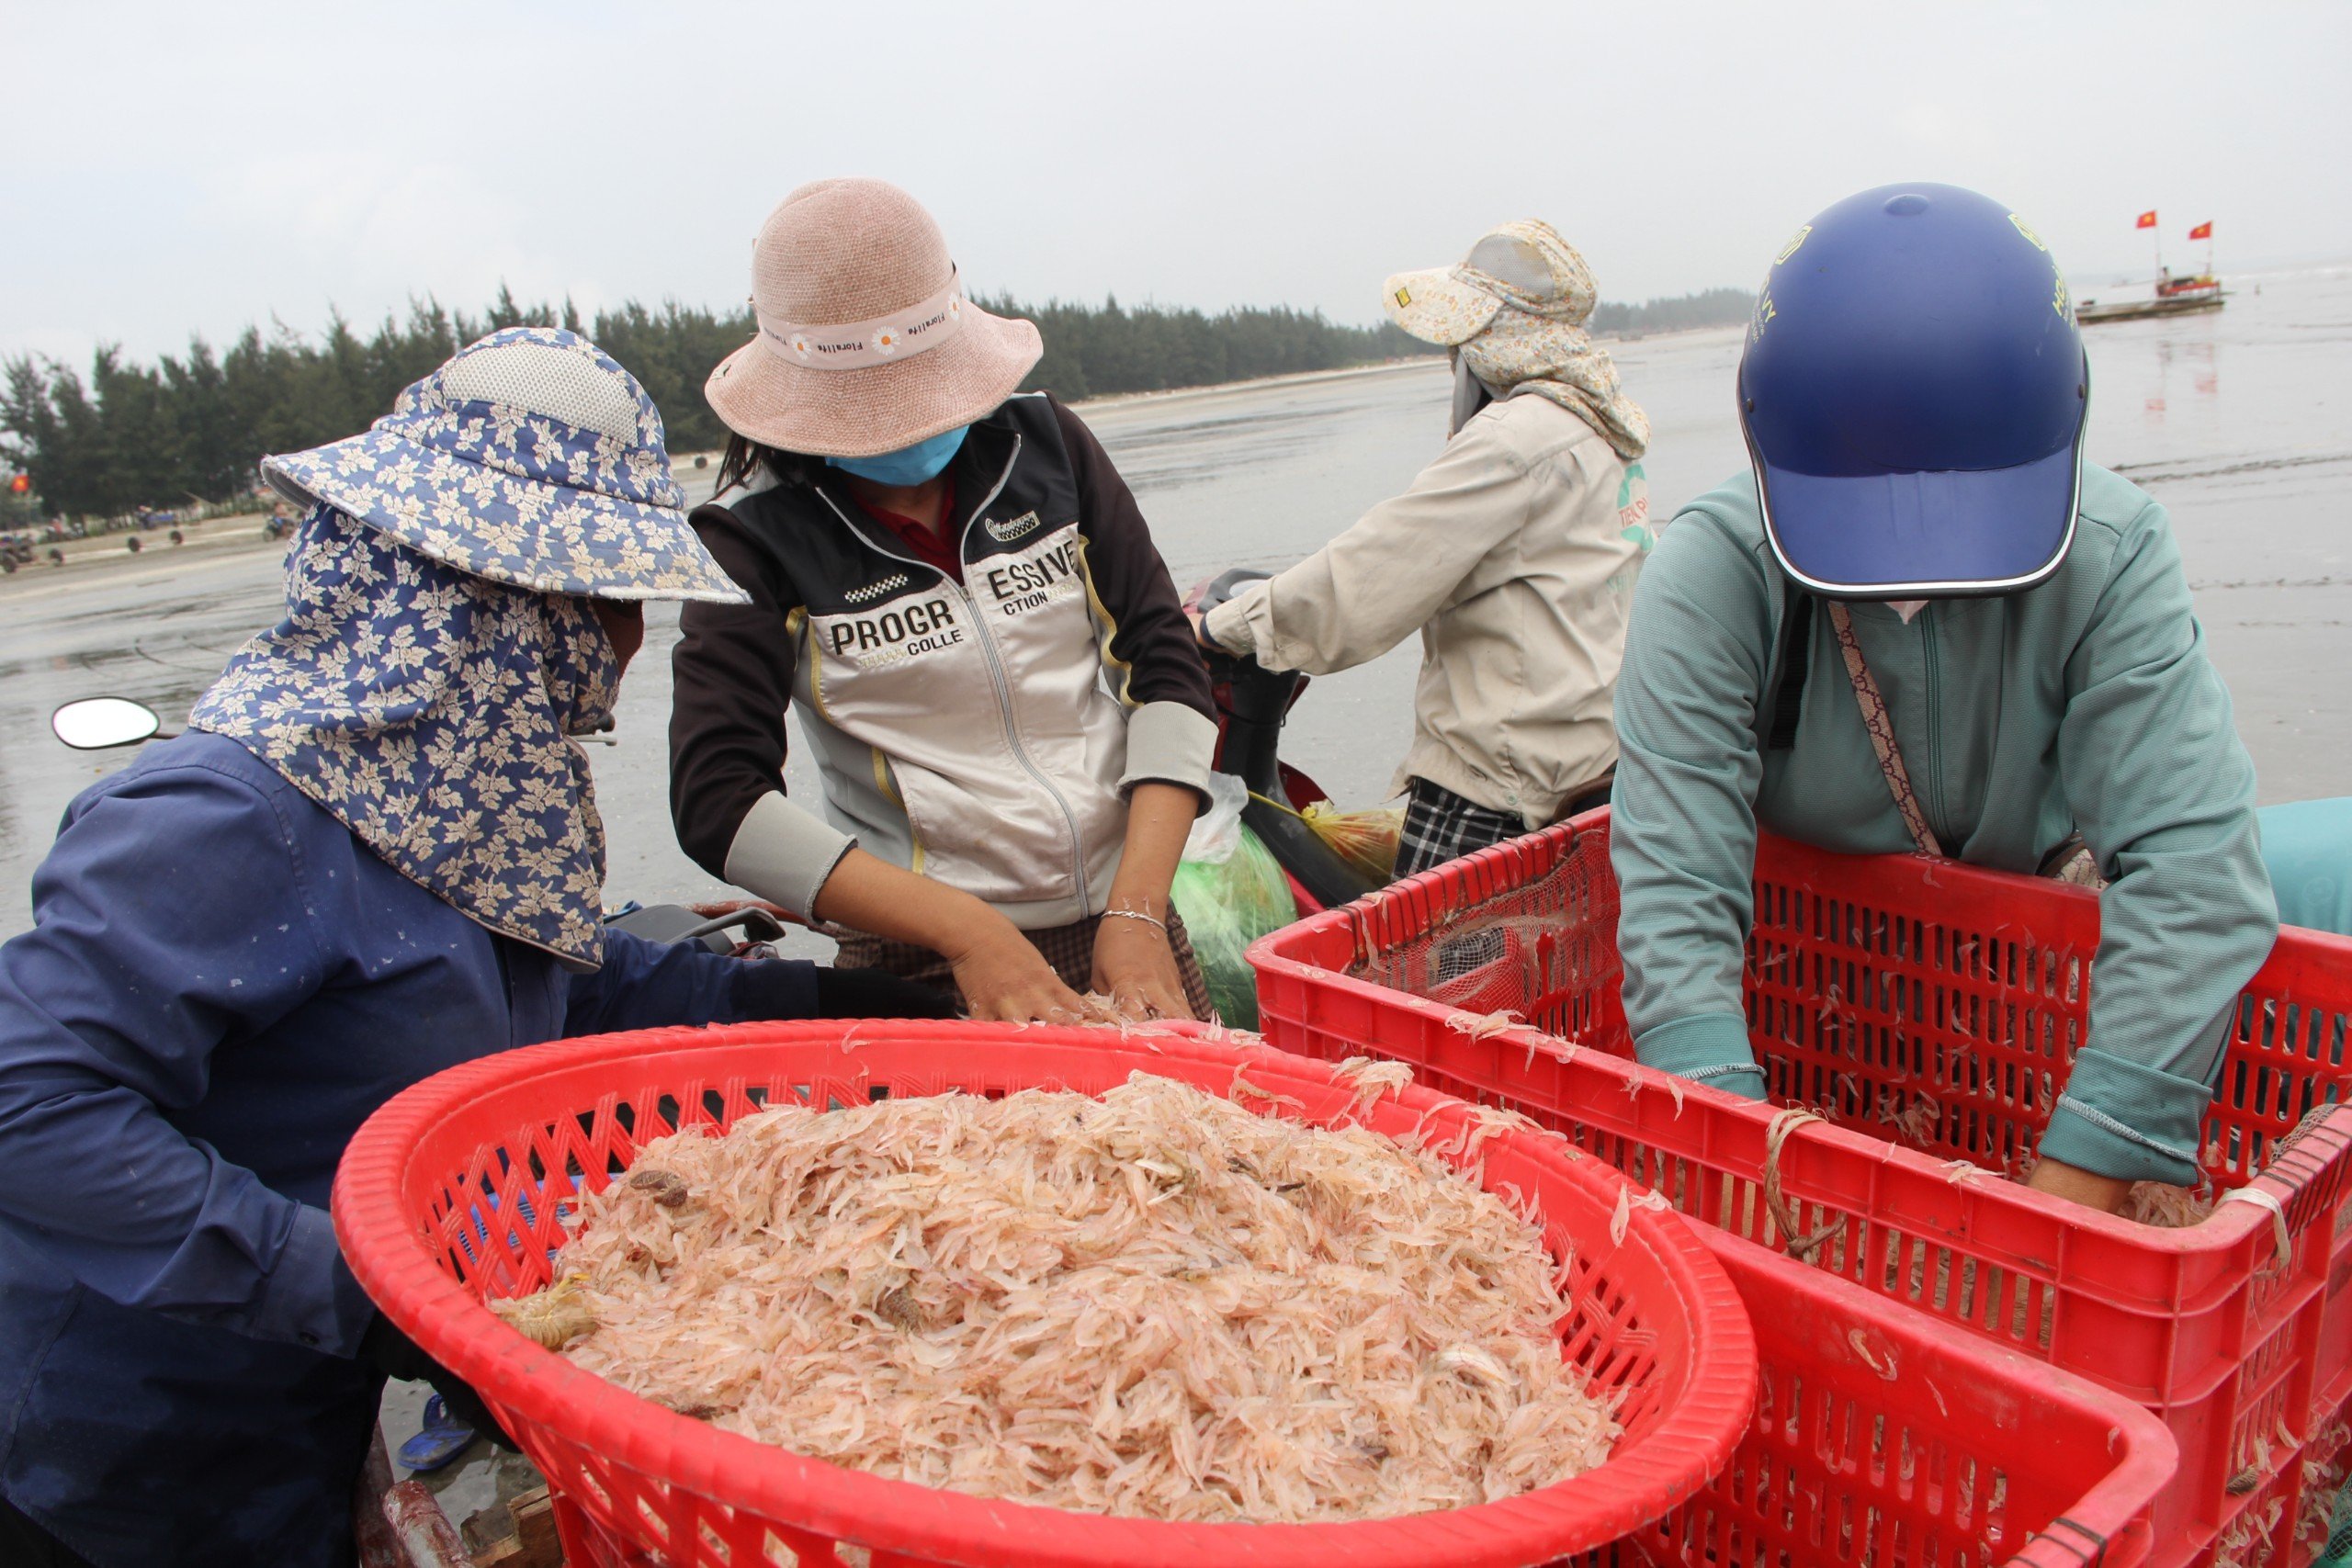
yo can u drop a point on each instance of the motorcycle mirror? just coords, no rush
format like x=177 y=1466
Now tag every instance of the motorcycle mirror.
x=95 y=723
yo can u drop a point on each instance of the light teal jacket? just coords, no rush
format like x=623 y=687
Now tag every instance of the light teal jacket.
x=2308 y=847
x=2084 y=704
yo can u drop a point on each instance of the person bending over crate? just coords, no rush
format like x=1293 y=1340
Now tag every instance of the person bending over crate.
x=375 y=855
x=954 y=589
x=1922 y=622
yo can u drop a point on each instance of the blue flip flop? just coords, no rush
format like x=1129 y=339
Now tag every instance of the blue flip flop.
x=442 y=1439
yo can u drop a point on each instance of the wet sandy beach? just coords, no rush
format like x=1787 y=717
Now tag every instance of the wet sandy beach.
x=2239 y=421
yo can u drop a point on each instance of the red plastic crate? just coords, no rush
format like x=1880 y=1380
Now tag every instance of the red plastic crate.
x=451 y=1192
x=1871 y=983
x=1885 y=1437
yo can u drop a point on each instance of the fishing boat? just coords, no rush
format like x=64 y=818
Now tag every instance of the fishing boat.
x=2183 y=296
x=2173 y=297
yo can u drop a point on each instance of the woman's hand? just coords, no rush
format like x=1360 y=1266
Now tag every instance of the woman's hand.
x=1133 y=963
x=2092 y=1190
x=1208 y=594
x=1135 y=966
x=1005 y=979
x=1002 y=976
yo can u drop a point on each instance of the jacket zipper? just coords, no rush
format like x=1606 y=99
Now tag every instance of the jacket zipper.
x=997 y=676
x=1934 y=804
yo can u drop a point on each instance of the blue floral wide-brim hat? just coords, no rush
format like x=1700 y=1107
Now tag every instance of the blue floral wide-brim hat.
x=530 y=458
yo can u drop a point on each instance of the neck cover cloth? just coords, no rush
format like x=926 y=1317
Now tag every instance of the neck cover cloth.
x=1520 y=352
x=428 y=710
x=1470 y=396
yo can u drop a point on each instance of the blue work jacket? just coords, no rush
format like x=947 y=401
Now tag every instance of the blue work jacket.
x=222 y=984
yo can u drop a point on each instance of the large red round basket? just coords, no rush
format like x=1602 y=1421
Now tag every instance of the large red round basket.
x=451 y=1195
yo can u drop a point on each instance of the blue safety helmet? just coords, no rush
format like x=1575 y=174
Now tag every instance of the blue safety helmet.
x=1914 y=393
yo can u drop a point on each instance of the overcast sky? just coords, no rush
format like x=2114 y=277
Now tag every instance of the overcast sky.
x=173 y=168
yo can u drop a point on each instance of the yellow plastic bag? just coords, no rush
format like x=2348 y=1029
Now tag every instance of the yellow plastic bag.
x=1365 y=839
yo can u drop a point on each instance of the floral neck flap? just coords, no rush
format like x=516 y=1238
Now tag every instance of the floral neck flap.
x=1558 y=359
x=429 y=712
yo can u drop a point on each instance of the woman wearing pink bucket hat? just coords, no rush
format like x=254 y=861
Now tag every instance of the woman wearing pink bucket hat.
x=953 y=587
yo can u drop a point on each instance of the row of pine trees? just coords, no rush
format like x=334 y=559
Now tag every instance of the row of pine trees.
x=190 y=427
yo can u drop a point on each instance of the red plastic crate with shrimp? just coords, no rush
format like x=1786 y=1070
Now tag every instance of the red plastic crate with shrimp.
x=1915 y=1019
x=1885 y=1437
x=451 y=1195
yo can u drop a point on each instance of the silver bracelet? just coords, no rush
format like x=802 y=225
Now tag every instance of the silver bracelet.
x=1135 y=915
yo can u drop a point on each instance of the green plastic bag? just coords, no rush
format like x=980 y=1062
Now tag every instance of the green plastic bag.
x=1230 y=892
x=2337 y=1552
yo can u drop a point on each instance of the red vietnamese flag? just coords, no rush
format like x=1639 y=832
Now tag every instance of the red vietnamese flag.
x=2203 y=231
x=2147 y=219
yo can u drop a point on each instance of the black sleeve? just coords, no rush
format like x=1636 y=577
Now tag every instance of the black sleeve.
x=1153 y=638
x=731 y=683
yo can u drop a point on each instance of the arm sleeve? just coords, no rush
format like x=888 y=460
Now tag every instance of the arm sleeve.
x=171 y=918
x=2162 y=791
x=652 y=985
x=1171 y=735
x=731 y=678
x=1683 y=838
x=1381 y=580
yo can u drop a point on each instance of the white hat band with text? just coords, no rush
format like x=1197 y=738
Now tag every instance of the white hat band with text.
x=854 y=345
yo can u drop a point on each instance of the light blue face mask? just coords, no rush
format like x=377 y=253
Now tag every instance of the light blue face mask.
x=909 y=465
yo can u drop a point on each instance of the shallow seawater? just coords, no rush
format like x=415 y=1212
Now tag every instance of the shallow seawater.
x=2239 y=421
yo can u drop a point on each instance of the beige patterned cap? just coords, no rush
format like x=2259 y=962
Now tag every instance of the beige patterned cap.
x=1437 y=307
x=1524 y=264
x=1514 y=311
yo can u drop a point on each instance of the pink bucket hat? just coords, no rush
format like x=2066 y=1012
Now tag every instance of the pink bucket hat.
x=866 y=343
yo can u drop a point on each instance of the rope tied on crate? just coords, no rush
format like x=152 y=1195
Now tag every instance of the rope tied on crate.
x=2095 y=1552
x=2263 y=1199
x=1800 y=1245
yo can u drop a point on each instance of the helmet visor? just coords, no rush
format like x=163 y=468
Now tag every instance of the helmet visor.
x=1922 y=536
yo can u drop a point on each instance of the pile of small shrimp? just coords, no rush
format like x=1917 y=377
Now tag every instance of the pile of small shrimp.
x=1158 y=1303
x=2168 y=1207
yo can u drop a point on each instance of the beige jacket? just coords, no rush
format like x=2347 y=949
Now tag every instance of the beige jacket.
x=1514 y=554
